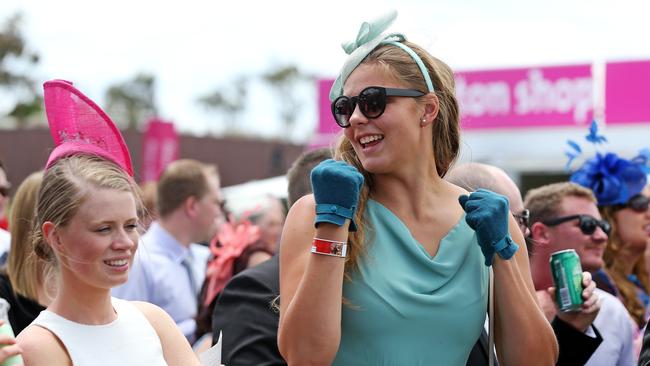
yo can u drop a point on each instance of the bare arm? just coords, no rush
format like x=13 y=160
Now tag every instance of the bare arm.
x=523 y=336
x=42 y=348
x=311 y=288
x=176 y=348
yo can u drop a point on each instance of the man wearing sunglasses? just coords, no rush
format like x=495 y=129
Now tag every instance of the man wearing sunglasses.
x=565 y=216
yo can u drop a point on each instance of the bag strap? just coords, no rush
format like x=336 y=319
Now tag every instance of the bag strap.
x=490 y=317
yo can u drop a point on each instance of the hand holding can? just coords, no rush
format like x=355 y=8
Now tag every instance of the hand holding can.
x=567 y=278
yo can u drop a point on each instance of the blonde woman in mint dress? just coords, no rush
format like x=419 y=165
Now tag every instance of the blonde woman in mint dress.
x=387 y=263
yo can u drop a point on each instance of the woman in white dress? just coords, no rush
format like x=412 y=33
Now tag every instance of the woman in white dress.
x=86 y=224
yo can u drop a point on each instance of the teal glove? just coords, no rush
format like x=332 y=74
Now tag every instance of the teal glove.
x=336 y=186
x=487 y=213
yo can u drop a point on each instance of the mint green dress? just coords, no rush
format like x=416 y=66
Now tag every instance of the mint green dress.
x=407 y=308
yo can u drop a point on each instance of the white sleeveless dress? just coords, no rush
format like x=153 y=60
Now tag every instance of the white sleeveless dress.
x=130 y=340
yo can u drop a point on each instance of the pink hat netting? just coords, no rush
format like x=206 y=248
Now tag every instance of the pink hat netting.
x=78 y=125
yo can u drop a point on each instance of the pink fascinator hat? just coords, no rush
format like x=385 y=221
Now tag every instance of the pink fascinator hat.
x=78 y=125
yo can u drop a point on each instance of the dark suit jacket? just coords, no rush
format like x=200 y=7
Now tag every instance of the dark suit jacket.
x=249 y=323
x=575 y=347
x=479 y=354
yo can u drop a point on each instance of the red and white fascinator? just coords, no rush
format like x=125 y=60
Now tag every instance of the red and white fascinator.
x=78 y=125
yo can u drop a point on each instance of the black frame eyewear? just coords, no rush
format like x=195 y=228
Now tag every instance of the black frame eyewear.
x=372 y=103
x=523 y=217
x=588 y=224
x=4 y=191
x=638 y=203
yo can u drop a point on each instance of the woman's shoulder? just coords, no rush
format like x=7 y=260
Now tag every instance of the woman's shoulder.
x=35 y=335
x=153 y=313
x=159 y=319
x=41 y=347
x=176 y=348
x=454 y=189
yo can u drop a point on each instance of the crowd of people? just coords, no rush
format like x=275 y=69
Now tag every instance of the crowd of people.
x=386 y=251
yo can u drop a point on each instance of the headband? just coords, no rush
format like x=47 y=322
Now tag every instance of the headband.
x=369 y=37
x=78 y=125
x=613 y=180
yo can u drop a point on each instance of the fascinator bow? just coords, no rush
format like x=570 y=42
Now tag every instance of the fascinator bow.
x=370 y=35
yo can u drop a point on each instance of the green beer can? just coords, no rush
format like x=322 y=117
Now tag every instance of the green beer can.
x=567 y=277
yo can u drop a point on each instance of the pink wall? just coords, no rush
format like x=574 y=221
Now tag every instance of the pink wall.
x=627 y=92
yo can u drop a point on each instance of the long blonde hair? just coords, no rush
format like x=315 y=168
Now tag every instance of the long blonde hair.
x=25 y=270
x=616 y=269
x=446 y=127
x=64 y=188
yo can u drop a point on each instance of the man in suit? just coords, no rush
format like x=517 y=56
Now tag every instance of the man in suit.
x=245 y=311
x=565 y=216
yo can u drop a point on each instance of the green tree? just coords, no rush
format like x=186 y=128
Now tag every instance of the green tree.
x=229 y=101
x=288 y=83
x=131 y=103
x=16 y=63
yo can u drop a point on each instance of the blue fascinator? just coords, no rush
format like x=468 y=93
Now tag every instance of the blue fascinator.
x=371 y=34
x=614 y=180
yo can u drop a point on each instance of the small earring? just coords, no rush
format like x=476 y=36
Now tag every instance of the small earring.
x=423 y=121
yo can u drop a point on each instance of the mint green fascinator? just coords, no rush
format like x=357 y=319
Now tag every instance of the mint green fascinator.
x=371 y=34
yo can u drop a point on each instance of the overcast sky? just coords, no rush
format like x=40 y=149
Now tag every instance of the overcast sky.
x=193 y=46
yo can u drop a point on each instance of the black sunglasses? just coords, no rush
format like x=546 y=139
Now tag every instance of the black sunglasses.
x=638 y=203
x=371 y=101
x=587 y=223
x=523 y=218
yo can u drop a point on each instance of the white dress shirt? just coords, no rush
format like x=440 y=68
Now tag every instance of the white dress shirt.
x=615 y=326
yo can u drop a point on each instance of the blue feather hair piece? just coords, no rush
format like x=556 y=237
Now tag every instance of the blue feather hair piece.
x=614 y=180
